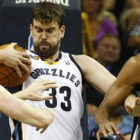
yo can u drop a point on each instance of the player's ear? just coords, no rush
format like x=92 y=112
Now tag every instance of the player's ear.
x=62 y=30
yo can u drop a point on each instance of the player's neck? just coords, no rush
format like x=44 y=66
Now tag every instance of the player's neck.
x=52 y=58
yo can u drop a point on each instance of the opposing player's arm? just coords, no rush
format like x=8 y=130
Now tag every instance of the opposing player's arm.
x=116 y=95
x=35 y=90
x=23 y=112
x=95 y=73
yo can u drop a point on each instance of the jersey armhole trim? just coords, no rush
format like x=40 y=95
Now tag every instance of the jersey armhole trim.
x=72 y=59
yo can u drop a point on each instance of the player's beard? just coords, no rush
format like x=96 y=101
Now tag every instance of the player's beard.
x=46 y=51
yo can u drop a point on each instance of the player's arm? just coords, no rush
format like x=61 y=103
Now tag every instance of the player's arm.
x=15 y=59
x=116 y=95
x=35 y=90
x=23 y=112
x=95 y=73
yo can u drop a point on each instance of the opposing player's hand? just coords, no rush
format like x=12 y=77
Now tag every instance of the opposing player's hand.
x=15 y=59
x=132 y=105
x=35 y=90
x=108 y=128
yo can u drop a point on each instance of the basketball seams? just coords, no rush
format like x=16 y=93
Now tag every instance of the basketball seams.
x=5 y=78
x=11 y=74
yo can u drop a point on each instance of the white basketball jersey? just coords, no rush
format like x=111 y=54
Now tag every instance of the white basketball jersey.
x=67 y=102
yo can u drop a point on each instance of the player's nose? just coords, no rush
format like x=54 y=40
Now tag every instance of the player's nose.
x=44 y=35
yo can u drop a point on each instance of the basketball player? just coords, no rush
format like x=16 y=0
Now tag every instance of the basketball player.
x=127 y=80
x=67 y=70
x=15 y=59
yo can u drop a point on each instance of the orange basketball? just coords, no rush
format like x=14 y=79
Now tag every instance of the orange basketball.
x=8 y=76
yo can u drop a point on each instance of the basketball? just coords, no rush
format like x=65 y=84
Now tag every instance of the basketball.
x=8 y=76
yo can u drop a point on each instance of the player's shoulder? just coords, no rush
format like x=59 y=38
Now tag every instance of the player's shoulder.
x=84 y=59
x=81 y=58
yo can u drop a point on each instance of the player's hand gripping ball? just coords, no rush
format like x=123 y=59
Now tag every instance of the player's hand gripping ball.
x=8 y=76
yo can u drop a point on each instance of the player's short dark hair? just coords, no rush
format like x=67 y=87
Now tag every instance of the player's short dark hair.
x=46 y=12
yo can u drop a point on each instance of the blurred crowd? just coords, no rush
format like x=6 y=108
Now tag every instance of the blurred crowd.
x=111 y=32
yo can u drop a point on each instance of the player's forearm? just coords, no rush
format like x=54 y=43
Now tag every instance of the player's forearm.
x=91 y=109
x=22 y=111
x=9 y=102
x=26 y=113
x=106 y=108
x=101 y=116
x=37 y=117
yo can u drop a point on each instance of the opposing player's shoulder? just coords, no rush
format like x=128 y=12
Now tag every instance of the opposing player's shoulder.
x=134 y=61
x=132 y=65
x=130 y=72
